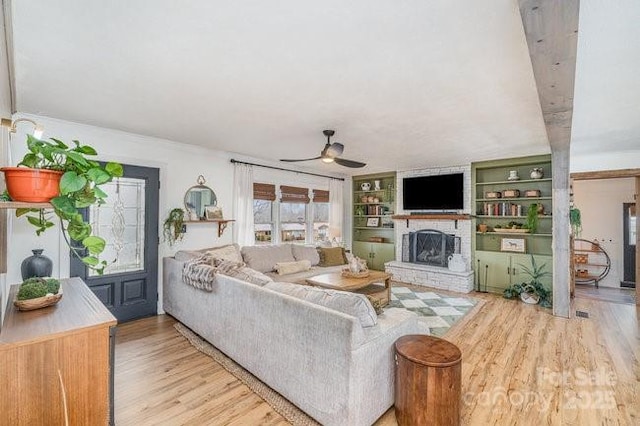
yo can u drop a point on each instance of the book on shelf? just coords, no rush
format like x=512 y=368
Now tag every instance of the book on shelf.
x=502 y=209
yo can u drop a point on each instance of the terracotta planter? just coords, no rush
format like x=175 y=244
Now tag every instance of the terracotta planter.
x=32 y=185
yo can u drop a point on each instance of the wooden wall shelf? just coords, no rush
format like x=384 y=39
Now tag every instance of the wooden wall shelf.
x=222 y=223
x=22 y=205
x=443 y=216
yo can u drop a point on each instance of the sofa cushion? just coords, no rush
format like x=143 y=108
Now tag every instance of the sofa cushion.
x=354 y=304
x=240 y=271
x=229 y=252
x=332 y=256
x=264 y=258
x=186 y=255
x=283 y=268
x=306 y=253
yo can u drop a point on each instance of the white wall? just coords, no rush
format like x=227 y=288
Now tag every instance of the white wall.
x=605 y=160
x=600 y=203
x=179 y=164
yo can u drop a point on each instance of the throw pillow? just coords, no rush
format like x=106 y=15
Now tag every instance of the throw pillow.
x=332 y=256
x=264 y=258
x=354 y=304
x=309 y=253
x=283 y=268
x=229 y=252
x=240 y=271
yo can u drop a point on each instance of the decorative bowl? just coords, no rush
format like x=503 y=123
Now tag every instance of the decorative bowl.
x=348 y=274
x=38 y=302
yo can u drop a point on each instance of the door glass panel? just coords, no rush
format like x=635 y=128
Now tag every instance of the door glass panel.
x=121 y=222
x=632 y=225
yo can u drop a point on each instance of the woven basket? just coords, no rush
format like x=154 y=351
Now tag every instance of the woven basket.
x=349 y=274
x=38 y=302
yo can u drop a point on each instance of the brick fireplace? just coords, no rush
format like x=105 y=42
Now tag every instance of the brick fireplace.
x=423 y=245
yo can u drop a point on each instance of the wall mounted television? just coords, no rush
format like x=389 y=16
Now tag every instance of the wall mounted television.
x=437 y=192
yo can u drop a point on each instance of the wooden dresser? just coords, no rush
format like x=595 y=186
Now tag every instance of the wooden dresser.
x=56 y=362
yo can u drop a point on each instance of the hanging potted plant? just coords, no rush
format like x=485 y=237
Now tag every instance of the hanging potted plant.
x=575 y=220
x=78 y=184
x=172 y=226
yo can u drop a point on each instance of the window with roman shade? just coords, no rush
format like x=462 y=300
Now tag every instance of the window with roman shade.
x=320 y=215
x=264 y=195
x=293 y=214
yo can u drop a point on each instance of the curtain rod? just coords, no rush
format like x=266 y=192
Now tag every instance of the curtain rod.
x=285 y=170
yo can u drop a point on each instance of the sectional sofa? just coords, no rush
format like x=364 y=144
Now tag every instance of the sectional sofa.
x=334 y=363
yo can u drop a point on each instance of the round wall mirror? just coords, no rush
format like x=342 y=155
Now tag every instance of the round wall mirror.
x=198 y=198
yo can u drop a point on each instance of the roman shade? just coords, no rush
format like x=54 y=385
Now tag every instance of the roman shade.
x=264 y=191
x=320 y=196
x=293 y=194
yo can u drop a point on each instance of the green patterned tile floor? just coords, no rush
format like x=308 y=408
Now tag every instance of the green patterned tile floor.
x=439 y=311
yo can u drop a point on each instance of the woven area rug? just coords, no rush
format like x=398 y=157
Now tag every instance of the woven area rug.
x=439 y=311
x=282 y=406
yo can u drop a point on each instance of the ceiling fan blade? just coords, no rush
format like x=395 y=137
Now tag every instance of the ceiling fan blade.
x=349 y=163
x=303 y=159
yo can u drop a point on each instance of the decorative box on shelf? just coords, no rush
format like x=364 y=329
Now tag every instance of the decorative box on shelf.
x=532 y=193
x=511 y=193
x=493 y=194
x=581 y=258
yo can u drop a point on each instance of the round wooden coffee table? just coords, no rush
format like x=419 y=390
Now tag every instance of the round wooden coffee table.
x=428 y=381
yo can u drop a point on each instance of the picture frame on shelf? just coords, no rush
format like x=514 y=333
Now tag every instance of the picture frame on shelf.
x=373 y=222
x=213 y=212
x=515 y=245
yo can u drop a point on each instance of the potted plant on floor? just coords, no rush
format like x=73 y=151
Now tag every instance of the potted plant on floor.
x=78 y=187
x=531 y=292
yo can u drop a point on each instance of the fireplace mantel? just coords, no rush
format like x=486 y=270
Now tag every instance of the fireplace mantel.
x=443 y=216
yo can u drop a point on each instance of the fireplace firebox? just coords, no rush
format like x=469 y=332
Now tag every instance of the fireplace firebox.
x=430 y=247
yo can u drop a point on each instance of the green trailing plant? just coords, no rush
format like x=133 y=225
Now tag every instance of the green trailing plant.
x=532 y=218
x=172 y=227
x=37 y=287
x=79 y=189
x=575 y=220
x=536 y=273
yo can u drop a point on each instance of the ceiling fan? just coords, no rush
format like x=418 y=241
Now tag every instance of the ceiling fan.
x=331 y=153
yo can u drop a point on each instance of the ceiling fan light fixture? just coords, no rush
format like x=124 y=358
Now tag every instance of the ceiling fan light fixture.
x=327 y=159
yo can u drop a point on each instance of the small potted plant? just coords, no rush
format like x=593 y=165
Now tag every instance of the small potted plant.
x=531 y=292
x=79 y=187
x=36 y=293
x=532 y=218
x=172 y=226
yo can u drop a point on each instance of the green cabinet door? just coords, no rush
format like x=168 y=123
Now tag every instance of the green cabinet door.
x=376 y=254
x=520 y=261
x=492 y=271
x=496 y=271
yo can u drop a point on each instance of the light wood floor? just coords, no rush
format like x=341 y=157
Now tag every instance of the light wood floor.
x=514 y=359
x=606 y=294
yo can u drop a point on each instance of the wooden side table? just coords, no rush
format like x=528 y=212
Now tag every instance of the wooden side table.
x=428 y=381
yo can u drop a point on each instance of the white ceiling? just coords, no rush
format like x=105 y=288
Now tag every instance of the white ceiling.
x=406 y=85
x=607 y=89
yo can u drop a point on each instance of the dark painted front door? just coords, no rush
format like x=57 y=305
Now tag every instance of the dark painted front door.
x=629 y=241
x=129 y=224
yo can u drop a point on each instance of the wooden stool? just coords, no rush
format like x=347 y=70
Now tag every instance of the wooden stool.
x=428 y=381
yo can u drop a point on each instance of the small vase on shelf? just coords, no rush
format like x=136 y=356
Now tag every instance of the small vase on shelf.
x=36 y=265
